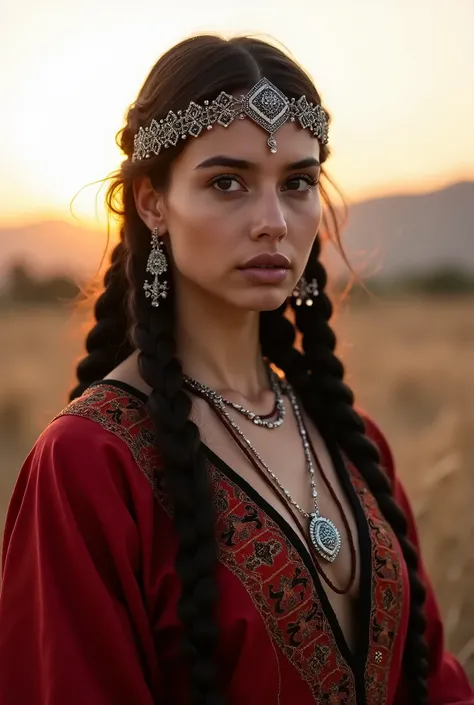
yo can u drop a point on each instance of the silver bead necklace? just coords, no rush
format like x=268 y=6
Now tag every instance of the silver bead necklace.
x=324 y=534
x=259 y=420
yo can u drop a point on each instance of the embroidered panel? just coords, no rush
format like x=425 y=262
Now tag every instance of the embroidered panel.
x=387 y=595
x=126 y=417
x=255 y=549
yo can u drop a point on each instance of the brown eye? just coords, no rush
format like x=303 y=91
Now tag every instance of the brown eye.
x=305 y=180
x=225 y=183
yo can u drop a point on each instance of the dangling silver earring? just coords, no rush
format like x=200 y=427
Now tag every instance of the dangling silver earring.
x=156 y=266
x=305 y=292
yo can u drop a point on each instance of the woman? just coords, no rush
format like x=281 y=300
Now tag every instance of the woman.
x=193 y=527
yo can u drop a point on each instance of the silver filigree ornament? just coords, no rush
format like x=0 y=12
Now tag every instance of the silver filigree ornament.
x=156 y=266
x=305 y=292
x=257 y=419
x=325 y=537
x=265 y=104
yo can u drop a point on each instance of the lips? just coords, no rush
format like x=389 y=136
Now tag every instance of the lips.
x=269 y=268
x=268 y=260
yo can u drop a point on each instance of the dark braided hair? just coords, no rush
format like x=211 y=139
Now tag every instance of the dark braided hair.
x=107 y=343
x=184 y=467
x=197 y=69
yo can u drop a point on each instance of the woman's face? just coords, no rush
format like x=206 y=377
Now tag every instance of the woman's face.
x=231 y=200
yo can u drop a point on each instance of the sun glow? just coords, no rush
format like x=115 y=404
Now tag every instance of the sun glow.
x=402 y=108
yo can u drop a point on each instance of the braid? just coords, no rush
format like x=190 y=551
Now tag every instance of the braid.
x=330 y=402
x=107 y=343
x=187 y=482
x=277 y=337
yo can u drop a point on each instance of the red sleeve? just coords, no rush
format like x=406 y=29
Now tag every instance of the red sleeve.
x=447 y=682
x=73 y=626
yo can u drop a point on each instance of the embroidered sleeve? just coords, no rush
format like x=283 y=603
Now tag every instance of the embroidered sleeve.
x=73 y=624
x=447 y=682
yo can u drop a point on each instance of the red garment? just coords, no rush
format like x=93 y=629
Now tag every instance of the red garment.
x=89 y=594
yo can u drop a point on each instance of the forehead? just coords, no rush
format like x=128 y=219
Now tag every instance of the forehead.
x=244 y=139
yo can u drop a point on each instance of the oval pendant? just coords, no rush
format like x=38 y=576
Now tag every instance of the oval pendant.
x=325 y=537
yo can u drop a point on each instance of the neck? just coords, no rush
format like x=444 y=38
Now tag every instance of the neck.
x=219 y=345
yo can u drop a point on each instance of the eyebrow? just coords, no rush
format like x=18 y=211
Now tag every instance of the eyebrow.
x=223 y=160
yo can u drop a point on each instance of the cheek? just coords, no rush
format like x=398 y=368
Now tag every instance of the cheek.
x=304 y=221
x=198 y=235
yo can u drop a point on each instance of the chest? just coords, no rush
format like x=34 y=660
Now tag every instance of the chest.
x=279 y=474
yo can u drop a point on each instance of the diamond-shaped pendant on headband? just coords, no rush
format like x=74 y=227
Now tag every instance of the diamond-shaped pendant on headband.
x=325 y=537
x=267 y=105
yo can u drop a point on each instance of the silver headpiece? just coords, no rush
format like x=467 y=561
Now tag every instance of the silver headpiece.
x=264 y=104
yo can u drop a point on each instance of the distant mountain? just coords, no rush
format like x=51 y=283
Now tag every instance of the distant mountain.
x=390 y=235
x=396 y=235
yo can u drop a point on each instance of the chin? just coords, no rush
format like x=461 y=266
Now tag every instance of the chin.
x=266 y=300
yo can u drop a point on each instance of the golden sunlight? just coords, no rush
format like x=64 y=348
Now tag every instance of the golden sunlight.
x=402 y=109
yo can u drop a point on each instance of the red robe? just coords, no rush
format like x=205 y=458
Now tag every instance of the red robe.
x=89 y=594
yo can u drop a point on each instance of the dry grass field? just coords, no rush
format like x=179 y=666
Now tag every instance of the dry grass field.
x=411 y=363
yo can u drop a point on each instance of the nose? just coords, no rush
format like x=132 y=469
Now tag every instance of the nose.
x=269 y=221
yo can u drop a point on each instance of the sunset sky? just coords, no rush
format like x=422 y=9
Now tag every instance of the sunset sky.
x=396 y=75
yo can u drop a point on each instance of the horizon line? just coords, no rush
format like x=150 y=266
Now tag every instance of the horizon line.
x=61 y=216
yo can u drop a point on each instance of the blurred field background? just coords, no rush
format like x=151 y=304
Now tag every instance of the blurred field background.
x=410 y=360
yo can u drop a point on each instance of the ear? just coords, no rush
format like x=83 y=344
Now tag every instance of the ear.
x=149 y=204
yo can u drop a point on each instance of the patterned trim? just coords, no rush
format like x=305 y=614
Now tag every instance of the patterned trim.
x=387 y=596
x=125 y=417
x=272 y=571
x=283 y=591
